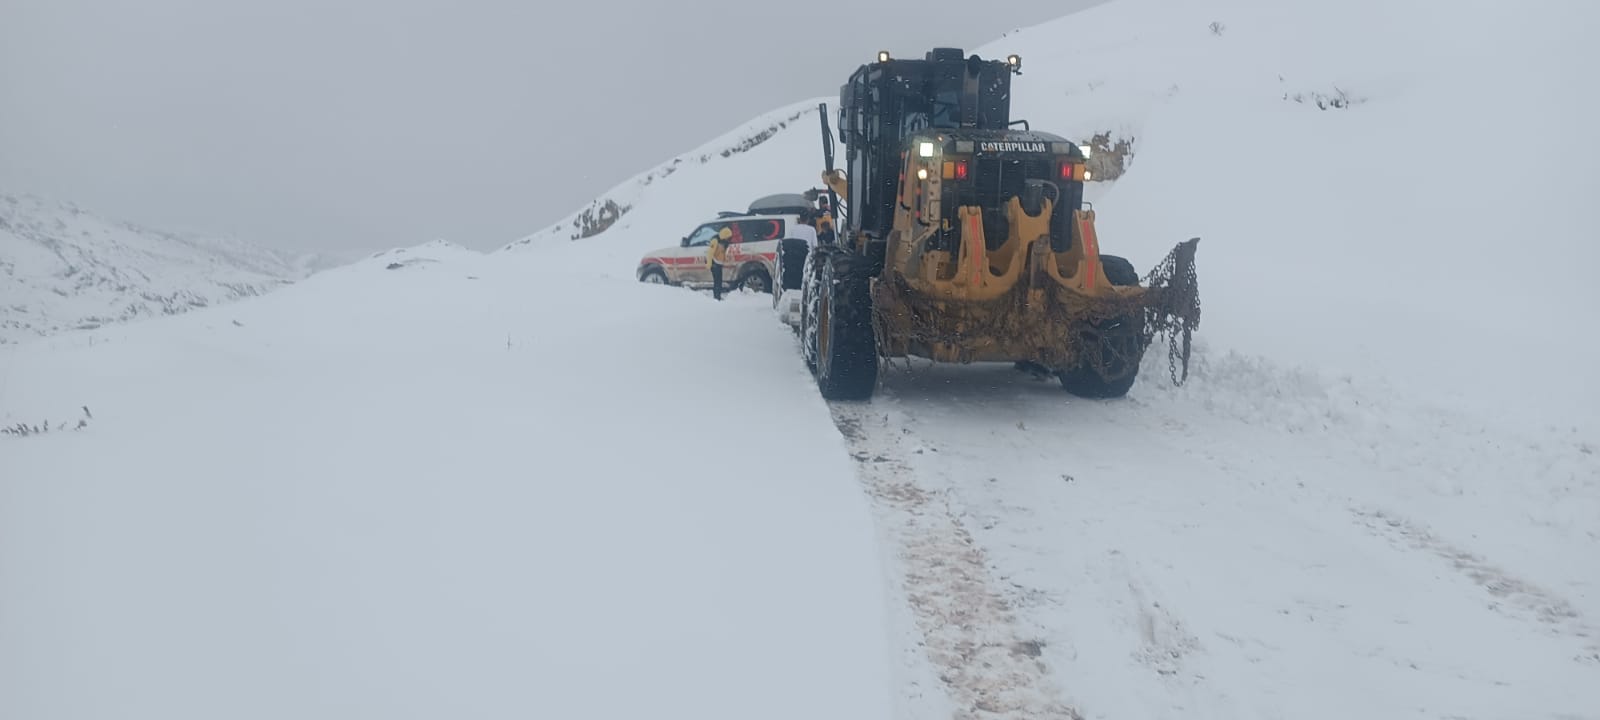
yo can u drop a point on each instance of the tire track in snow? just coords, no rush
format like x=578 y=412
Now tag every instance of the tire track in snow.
x=1251 y=587
x=969 y=632
x=1543 y=606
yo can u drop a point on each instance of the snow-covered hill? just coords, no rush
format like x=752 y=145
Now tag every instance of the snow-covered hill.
x=64 y=268
x=774 y=153
x=524 y=484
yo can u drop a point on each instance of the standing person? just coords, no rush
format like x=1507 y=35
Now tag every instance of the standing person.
x=716 y=255
x=820 y=217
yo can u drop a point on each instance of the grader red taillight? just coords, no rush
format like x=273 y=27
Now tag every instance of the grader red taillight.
x=955 y=170
x=1074 y=172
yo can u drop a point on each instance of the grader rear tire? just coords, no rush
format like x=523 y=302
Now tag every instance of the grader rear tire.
x=791 y=267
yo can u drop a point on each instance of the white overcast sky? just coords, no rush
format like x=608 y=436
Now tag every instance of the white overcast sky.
x=323 y=124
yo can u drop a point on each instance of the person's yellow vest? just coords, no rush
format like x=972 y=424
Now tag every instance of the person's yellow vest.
x=718 y=251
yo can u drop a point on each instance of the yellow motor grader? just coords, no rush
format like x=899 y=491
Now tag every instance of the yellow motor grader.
x=953 y=235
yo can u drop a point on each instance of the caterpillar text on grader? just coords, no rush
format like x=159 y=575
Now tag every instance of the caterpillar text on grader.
x=961 y=239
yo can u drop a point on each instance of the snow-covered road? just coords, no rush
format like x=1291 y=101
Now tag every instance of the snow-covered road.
x=447 y=489
x=1251 y=545
x=403 y=491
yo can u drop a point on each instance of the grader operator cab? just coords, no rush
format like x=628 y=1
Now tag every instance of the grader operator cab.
x=962 y=239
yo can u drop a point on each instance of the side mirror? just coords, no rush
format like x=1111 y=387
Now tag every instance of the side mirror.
x=684 y=242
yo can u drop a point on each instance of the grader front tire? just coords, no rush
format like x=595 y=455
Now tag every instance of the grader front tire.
x=846 y=348
x=1114 y=346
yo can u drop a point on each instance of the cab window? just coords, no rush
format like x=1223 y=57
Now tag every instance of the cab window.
x=701 y=237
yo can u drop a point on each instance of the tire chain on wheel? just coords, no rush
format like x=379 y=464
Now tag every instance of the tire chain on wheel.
x=808 y=330
x=843 y=270
x=810 y=300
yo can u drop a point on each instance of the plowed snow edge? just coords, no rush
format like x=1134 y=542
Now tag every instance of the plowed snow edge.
x=969 y=634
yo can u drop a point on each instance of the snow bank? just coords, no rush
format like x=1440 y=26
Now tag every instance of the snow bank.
x=434 y=484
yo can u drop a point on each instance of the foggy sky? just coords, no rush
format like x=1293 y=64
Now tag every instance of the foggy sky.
x=378 y=123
